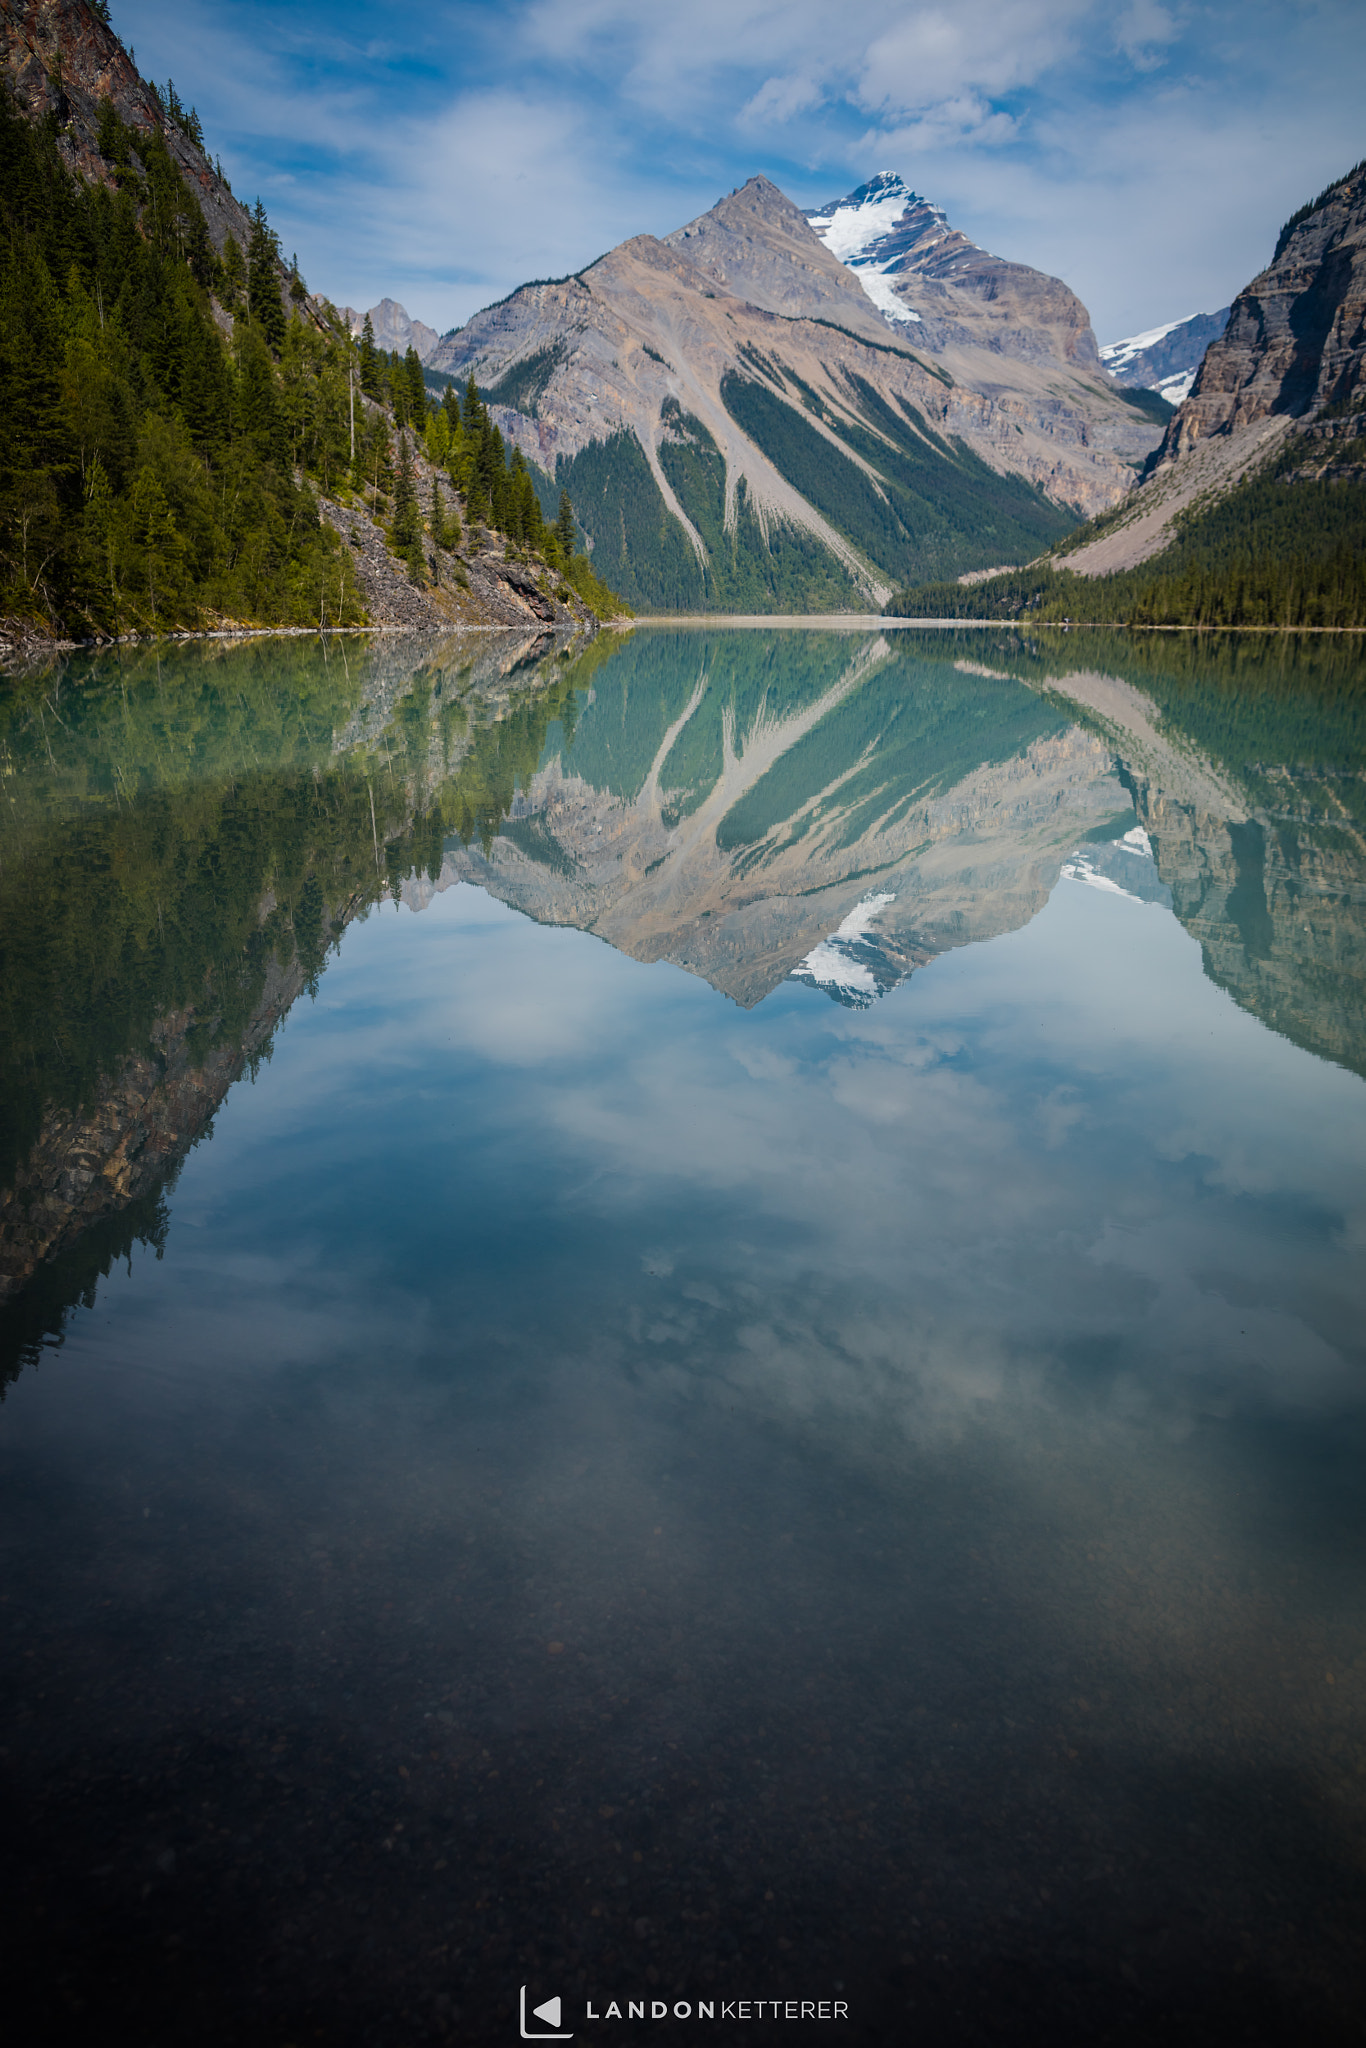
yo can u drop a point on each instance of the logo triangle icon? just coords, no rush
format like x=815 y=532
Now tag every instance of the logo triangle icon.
x=549 y=2012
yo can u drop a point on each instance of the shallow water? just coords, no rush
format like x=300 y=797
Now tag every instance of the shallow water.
x=758 y=1396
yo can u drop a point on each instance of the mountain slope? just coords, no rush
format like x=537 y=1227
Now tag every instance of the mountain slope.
x=1253 y=510
x=917 y=268
x=1165 y=359
x=738 y=423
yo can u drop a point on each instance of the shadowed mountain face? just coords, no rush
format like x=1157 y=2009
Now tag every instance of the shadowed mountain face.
x=191 y=835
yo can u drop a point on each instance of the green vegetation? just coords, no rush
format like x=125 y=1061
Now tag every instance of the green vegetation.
x=934 y=506
x=1273 y=552
x=638 y=545
x=181 y=817
x=147 y=467
x=768 y=566
x=1151 y=404
x=154 y=475
x=522 y=386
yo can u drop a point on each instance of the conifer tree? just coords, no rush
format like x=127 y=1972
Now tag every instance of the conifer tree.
x=474 y=410
x=234 y=276
x=407 y=522
x=416 y=560
x=263 y=284
x=564 y=528
x=417 y=387
x=369 y=361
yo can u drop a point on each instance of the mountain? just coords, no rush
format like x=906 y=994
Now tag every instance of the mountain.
x=1252 y=511
x=918 y=269
x=841 y=808
x=742 y=428
x=1165 y=359
x=392 y=328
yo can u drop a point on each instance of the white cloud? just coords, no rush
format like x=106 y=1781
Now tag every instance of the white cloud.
x=1145 y=154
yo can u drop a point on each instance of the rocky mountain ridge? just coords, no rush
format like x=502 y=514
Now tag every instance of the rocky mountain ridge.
x=392 y=328
x=916 y=267
x=1284 y=383
x=62 y=60
x=998 y=378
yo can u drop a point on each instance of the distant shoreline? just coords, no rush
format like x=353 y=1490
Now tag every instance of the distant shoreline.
x=863 y=622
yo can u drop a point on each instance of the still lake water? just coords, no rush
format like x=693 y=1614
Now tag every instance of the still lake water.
x=686 y=1324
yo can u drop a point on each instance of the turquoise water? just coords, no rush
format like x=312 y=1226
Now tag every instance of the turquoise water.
x=740 y=1377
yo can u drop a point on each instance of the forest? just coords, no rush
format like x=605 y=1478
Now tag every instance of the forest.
x=1279 y=550
x=169 y=415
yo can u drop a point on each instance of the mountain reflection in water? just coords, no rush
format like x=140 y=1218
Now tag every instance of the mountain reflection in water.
x=634 y=1493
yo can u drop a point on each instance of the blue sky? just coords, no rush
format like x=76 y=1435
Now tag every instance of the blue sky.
x=1145 y=151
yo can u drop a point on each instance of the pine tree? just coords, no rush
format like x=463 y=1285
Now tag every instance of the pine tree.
x=369 y=361
x=445 y=529
x=263 y=283
x=474 y=410
x=417 y=387
x=564 y=528
x=407 y=522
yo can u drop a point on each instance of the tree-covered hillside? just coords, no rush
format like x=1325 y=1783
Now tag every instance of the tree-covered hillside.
x=167 y=425
x=1276 y=551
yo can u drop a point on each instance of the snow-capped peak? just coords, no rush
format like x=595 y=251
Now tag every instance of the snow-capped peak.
x=849 y=227
x=856 y=230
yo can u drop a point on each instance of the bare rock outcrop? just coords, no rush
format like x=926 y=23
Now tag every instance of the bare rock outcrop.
x=1295 y=342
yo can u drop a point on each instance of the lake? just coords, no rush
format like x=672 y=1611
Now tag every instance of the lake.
x=684 y=1327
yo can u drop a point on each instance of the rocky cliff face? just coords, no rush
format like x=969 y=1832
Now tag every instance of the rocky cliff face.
x=393 y=329
x=1295 y=342
x=62 y=60
x=916 y=267
x=1287 y=372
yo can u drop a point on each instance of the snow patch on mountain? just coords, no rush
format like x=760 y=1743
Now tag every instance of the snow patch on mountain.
x=1122 y=867
x=856 y=230
x=1175 y=389
x=879 y=290
x=1117 y=355
x=849 y=227
x=850 y=965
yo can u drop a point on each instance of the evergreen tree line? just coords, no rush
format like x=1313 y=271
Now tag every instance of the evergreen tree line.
x=149 y=467
x=491 y=481
x=1273 y=552
x=156 y=474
